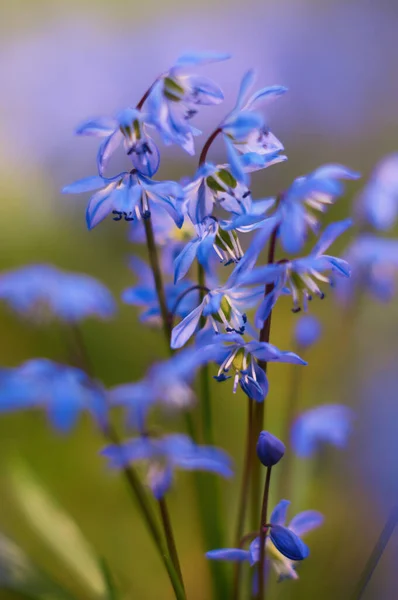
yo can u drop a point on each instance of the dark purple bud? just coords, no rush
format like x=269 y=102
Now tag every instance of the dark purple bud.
x=269 y=449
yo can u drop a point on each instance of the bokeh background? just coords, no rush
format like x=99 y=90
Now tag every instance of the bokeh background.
x=63 y=61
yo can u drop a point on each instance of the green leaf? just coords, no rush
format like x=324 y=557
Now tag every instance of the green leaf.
x=113 y=592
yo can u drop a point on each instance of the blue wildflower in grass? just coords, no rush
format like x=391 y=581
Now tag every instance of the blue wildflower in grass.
x=327 y=424
x=299 y=277
x=144 y=294
x=63 y=391
x=374 y=264
x=175 y=97
x=377 y=204
x=41 y=290
x=298 y=205
x=129 y=128
x=235 y=354
x=244 y=130
x=284 y=548
x=166 y=384
x=165 y=454
x=307 y=331
x=128 y=195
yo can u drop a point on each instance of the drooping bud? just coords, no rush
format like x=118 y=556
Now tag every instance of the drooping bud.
x=269 y=449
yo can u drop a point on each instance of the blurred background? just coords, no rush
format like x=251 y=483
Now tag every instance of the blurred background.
x=62 y=62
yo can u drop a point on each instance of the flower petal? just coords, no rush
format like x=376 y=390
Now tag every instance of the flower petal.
x=84 y=185
x=233 y=554
x=306 y=521
x=278 y=515
x=186 y=328
x=288 y=543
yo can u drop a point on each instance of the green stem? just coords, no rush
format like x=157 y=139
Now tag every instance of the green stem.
x=376 y=554
x=243 y=499
x=157 y=274
x=259 y=406
x=263 y=531
x=168 y=531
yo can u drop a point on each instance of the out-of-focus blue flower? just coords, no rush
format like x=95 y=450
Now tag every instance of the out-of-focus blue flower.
x=224 y=304
x=270 y=449
x=377 y=204
x=307 y=331
x=164 y=455
x=231 y=351
x=174 y=99
x=62 y=390
x=374 y=264
x=306 y=196
x=298 y=277
x=144 y=294
x=127 y=195
x=128 y=127
x=244 y=129
x=327 y=424
x=283 y=544
x=34 y=289
x=166 y=383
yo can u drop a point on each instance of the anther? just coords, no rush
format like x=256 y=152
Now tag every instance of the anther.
x=119 y=215
x=296 y=309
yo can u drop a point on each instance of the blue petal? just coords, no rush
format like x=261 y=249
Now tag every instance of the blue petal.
x=329 y=235
x=306 y=521
x=160 y=481
x=99 y=127
x=264 y=310
x=191 y=59
x=293 y=227
x=235 y=162
x=185 y=259
x=186 y=328
x=288 y=543
x=278 y=515
x=243 y=124
x=213 y=304
x=63 y=413
x=146 y=161
x=106 y=149
x=246 y=83
x=99 y=207
x=233 y=554
x=206 y=91
x=84 y=185
x=335 y=171
x=266 y=93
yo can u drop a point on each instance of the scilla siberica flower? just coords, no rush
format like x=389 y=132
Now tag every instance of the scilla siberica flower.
x=307 y=331
x=283 y=544
x=127 y=195
x=313 y=193
x=327 y=424
x=166 y=383
x=298 y=277
x=377 y=204
x=38 y=290
x=244 y=129
x=62 y=390
x=235 y=354
x=128 y=127
x=374 y=263
x=164 y=455
x=144 y=294
x=175 y=96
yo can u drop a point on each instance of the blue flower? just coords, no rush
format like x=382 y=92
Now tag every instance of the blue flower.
x=232 y=352
x=164 y=455
x=307 y=331
x=34 y=289
x=127 y=195
x=144 y=294
x=377 y=204
x=174 y=99
x=270 y=450
x=299 y=277
x=374 y=263
x=128 y=127
x=224 y=305
x=62 y=390
x=244 y=130
x=166 y=383
x=306 y=196
x=327 y=424
x=283 y=544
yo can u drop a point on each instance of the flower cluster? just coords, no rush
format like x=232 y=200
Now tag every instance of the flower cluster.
x=201 y=221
